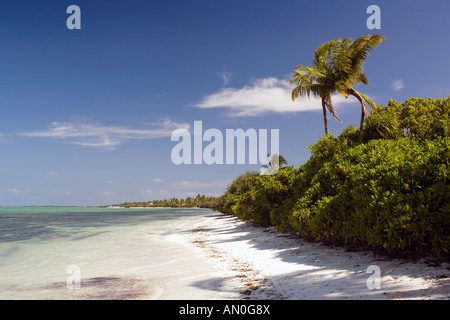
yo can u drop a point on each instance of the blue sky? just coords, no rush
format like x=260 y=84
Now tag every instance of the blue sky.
x=86 y=115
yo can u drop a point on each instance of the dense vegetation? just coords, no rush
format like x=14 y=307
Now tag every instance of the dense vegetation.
x=383 y=187
x=201 y=201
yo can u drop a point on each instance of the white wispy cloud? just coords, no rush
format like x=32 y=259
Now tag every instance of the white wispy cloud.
x=262 y=96
x=54 y=173
x=95 y=135
x=62 y=193
x=18 y=191
x=200 y=184
x=160 y=95
x=107 y=193
x=226 y=76
x=398 y=84
x=158 y=180
x=13 y=190
x=146 y=191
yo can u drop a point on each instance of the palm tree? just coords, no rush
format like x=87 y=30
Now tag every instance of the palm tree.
x=318 y=80
x=348 y=62
x=276 y=162
x=337 y=66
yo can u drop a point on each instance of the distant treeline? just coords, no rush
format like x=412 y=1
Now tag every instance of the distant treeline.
x=201 y=201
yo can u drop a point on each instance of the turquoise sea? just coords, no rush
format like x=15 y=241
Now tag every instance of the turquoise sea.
x=89 y=252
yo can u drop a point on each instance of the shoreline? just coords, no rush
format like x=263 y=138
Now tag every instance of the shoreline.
x=262 y=264
x=209 y=256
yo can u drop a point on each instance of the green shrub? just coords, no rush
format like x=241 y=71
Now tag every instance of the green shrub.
x=350 y=136
x=384 y=123
x=395 y=196
x=385 y=187
x=416 y=118
x=426 y=118
x=237 y=194
x=274 y=197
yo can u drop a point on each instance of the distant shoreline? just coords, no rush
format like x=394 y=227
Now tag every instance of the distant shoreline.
x=107 y=206
x=119 y=207
x=52 y=206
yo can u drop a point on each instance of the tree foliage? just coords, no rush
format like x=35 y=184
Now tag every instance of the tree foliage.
x=337 y=67
x=386 y=187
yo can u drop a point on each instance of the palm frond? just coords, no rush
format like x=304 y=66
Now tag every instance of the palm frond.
x=330 y=108
x=369 y=102
x=337 y=66
x=362 y=78
x=361 y=48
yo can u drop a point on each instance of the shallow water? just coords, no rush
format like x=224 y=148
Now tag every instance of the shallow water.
x=88 y=253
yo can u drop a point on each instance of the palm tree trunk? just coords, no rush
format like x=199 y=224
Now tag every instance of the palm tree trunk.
x=364 y=112
x=325 y=121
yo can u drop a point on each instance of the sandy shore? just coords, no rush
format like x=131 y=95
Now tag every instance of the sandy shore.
x=248 y=262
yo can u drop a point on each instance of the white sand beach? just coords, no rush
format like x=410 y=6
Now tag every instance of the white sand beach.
x=207 y=256
x=259 y=263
